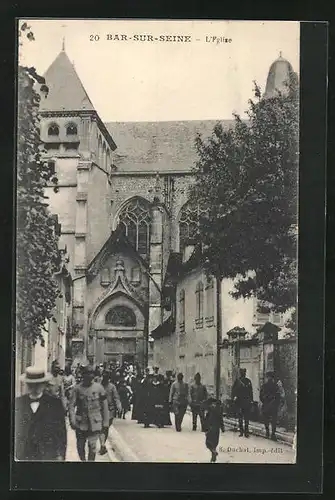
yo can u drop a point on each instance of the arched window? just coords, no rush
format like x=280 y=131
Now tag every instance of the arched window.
x=199 y=300
x=71 y=129
x=188 y=224
x=135 y=222
x=182 y=310
x=210 y=301
x=53 y=129
x=121 y=316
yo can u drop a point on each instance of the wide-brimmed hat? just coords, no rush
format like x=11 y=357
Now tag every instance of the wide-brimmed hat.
x=35 y=375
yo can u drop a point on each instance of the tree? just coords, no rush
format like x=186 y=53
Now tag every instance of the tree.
x=37 y=249
x=249 y=175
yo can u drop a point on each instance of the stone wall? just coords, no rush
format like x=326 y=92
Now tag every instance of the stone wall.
x=287 y=371
x=98 y=212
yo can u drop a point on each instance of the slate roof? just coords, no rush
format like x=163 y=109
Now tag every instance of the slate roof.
x=158 y=146
x=66 y=92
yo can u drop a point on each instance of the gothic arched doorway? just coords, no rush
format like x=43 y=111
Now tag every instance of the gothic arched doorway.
x=117 y=331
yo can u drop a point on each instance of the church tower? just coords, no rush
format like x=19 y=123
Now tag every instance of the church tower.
x=280 y=75
x=80 y=150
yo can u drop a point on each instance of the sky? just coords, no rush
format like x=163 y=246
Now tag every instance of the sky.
x=156 y=80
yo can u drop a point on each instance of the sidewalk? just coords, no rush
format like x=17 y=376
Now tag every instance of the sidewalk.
x=133 y=443
x=257 y=429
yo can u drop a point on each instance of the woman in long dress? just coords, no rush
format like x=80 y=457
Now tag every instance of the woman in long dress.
x=157 y=394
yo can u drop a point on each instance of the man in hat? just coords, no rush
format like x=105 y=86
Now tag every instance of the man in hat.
x=55 y=385
x=242 y=396
x=270 y=398
x=179 y=399
x=199 y=395
x=88 y=412
x=40 y=431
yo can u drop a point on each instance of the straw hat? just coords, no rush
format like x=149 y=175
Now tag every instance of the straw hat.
x=35 y=375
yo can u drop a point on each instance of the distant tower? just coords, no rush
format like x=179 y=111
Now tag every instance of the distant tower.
x=280 y=73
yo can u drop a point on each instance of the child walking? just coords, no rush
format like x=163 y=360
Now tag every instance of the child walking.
x=125 y=394
x=213 y=425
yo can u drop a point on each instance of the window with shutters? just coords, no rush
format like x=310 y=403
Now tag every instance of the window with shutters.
x=199 y=301
x=182 y=310
x=261 y=317
x=210 y=300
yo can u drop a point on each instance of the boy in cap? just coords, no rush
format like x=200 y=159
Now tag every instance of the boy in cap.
x=213 y=424
x=40 y=431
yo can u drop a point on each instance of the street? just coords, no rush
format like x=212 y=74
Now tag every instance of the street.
x=71 y=452
x=166 y=445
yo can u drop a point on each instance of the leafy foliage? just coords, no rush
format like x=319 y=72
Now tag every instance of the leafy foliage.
x=249 y=174
x=37 y=250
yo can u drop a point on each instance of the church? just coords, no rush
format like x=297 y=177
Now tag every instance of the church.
x=126 y=226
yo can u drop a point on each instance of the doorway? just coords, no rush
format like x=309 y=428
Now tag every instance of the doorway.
x=128 y=358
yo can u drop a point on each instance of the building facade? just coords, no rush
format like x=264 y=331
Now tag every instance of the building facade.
x=138 y=293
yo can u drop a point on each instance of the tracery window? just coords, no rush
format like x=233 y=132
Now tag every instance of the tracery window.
x=135 y=221
x=120 y=316
x=53 y=129
x=71 y=129
x=199 y=298
x=188 y=224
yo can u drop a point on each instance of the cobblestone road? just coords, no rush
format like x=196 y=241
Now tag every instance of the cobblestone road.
x=166 y=445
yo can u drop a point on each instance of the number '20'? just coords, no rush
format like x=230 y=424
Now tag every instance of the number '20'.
x=94 y=38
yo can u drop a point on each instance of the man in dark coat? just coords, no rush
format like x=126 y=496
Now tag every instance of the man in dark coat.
x=136 y=388
x=213 y=423
x=40 y=431
x=157 y=395
x=198 y=395
x=270 y=397
x=167 y=382
x=242 y=396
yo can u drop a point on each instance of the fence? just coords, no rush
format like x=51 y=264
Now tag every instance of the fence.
x=258 y=357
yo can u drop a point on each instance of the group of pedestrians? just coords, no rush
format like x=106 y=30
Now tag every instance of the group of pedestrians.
x=156 y=395
x=272 y=398
x=91 y=398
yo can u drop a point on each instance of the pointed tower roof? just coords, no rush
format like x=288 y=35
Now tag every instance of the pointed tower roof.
x=280 y=73
x=66 y=92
